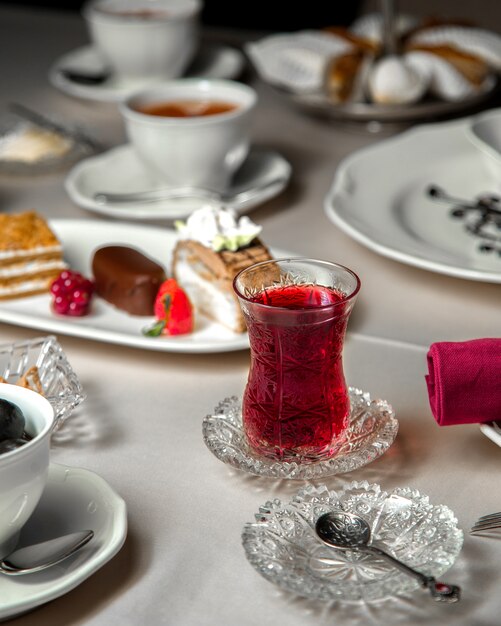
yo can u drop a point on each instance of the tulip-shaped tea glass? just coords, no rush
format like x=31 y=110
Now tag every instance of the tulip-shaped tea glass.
x=296 y=405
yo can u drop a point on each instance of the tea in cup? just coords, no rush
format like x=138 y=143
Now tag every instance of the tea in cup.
x=23 y=469
x=191 y=132
x=145 y=39
x=296 y=404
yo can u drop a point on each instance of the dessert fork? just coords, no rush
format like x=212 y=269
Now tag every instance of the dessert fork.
x=486 y=522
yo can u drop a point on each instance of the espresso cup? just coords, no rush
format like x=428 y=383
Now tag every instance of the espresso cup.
x=145 y=39
x=203 y=148
x=24 y=471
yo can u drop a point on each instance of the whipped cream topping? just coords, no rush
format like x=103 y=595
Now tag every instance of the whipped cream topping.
x=218 y=229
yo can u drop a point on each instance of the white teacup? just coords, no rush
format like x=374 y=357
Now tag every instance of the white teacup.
x=145 y=39
x=203 y=150
x=24 y=471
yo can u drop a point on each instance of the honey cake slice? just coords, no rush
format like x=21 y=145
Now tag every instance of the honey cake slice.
x=31 y=256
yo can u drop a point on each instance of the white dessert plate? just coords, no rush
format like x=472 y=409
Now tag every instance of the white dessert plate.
x=379 y=197
x=485 y=132
x=74 y=499
x=106 y=323
x=212 y=61
x=120 y=171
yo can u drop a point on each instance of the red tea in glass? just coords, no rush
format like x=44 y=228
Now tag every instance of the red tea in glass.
x=296 y=404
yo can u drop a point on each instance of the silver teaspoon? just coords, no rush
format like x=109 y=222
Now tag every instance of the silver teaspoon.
x=40 y=556
x=171 y=193
x=344 y=530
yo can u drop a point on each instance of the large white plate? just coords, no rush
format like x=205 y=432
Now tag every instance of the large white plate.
x=74 y=499
x=212 y=61
x=379 y=198
x=106 y=323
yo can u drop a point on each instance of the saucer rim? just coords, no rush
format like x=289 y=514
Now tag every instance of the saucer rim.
x=93 y=93
x=291 y=470
x=323 y=496
x=111 y=544
x=163 y=210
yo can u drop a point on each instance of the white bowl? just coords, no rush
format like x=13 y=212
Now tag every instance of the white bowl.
x=23 y=471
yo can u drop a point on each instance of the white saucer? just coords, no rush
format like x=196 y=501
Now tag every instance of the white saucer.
x=119 y=170
x=379 y=197
x=74 y=499
x=212 y=61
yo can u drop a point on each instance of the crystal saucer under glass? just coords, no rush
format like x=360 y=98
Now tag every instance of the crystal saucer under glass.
x=283 y=547
x=372 y=429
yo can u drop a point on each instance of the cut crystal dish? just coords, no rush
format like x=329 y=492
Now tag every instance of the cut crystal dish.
x=58 y=381
x=28 y=148
x=372 y=429
x=283 y=547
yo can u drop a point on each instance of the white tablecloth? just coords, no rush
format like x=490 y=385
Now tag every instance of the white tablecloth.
x=140 y=427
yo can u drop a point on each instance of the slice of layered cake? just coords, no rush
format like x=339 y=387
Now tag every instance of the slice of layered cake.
x=213 y=247
x=31 y=256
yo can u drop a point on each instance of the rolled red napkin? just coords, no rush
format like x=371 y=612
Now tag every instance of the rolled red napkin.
x=464 y=381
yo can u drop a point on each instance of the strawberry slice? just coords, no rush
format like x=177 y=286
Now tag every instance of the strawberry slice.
x=173 y=310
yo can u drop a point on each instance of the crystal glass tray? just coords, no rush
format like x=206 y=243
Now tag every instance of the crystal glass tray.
x=79 y=146
x=59 y=382
x=373 y=428
x=283 y=547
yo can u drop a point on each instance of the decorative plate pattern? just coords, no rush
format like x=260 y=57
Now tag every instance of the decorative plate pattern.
x=283 y=547
x=59 y=382
x=373 y=428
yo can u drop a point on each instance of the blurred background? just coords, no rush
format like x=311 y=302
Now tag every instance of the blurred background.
x=275 y=16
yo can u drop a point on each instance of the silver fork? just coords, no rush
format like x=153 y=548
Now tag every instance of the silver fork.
x=486 y=522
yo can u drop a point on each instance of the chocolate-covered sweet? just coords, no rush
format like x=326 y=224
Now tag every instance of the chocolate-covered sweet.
x=127 y=278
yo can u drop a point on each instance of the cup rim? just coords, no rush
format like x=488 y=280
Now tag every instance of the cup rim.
x=321 y=307
x=38 y=398
x=91 y=13
x=129 y=113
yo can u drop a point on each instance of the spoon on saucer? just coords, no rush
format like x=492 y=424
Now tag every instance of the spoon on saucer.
x=40 y=556
x=171 y=193
x=348 y=531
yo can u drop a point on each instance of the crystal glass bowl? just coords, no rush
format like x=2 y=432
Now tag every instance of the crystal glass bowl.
x=283 y=547
x=58 y=381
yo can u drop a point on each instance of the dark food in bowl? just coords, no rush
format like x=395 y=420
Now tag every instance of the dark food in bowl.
x=12 y=424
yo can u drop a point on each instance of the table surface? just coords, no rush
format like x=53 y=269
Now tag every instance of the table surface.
x=140 y=427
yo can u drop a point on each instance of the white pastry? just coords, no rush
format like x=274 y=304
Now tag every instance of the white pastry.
x=296 y=61
x=213 y=247
x=394 y=81
x=445 y=82
x=482 y=43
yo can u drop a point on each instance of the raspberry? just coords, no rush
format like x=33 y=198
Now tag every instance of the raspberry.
x=72 y=294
